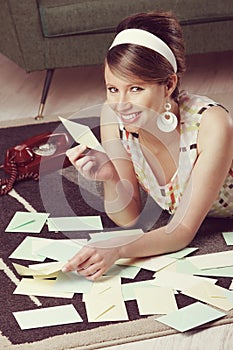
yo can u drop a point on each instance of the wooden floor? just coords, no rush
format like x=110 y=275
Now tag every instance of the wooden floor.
x=77 y=89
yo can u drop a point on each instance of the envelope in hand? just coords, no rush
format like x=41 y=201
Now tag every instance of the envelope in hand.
x=82 y=134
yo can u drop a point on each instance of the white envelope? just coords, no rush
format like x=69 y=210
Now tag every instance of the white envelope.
x=82 y=134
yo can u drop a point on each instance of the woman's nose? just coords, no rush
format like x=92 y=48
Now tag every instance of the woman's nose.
x=123 y=104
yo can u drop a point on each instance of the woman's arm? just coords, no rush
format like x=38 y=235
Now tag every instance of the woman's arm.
x=215 y=153
x=121 y=193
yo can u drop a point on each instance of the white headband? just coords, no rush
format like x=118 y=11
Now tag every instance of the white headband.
x=146 y=39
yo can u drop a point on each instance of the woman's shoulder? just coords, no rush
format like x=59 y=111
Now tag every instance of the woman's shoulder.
x=194 y=103
x=193 y=107
x=217 y=125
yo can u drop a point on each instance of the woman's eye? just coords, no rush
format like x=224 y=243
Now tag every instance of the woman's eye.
x=112 y=89
x=136 y=89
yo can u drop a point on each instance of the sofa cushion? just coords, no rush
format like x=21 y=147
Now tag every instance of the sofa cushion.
x=73 y=17
x=85 y=16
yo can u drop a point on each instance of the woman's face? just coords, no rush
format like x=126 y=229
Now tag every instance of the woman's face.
x=134 y=100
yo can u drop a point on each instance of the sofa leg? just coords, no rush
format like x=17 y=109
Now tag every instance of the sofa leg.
x=48 y=79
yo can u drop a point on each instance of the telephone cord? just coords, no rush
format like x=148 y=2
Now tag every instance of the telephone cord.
x=7 y=184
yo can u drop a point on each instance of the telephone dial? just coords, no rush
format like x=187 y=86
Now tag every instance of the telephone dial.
x=23 y=161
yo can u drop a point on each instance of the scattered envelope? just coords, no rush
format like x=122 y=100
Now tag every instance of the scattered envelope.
x=157 y=300
x=82 y=134
x=128 y=289
x=185 y=266
x=182 y=253
x=181 y=266
x=190 y=316
x=45 y=317
x=105 y=298
x=72 y=282
x=100 y=311
x=75 y=223
x=178 y=281
x=153 y=264
x=45 y=277
x=229 y=295
x=24 y=250
x=208 y=261
x=59 y=250
x=40 y=287
x=218 y=272
x=228 y=236
x=106 y=312
x=40 y=242
x=27 y=222
x=123 y=271
x=210 y=294
x=107 y=285
x=45 y=269
x=105 y=301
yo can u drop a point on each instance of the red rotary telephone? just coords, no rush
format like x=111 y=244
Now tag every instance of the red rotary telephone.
x=23 y=161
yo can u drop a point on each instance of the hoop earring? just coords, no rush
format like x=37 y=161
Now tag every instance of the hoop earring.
x=167 y=121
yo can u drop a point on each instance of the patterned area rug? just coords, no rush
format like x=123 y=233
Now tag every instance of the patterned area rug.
x=62 y=193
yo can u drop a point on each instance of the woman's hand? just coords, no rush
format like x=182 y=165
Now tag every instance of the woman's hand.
x=92 y=262
x=93 y=165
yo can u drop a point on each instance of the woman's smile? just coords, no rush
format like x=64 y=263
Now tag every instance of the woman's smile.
x=130 y=117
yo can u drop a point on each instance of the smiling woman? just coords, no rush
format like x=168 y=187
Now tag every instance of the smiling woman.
x=170 y=143
x=121 y=95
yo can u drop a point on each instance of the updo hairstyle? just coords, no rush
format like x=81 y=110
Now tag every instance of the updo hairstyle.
x=129 y=60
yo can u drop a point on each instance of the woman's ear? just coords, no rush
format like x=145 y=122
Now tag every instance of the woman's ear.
x=171 y=84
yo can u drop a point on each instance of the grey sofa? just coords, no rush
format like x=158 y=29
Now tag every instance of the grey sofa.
x=50 y=34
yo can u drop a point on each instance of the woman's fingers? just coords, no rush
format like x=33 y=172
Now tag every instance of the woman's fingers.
x=93 y=165
x=91 y=262
x=90 y=271
x=75 y=153
x=95 y=275
x=78 y=260
x=84 y=163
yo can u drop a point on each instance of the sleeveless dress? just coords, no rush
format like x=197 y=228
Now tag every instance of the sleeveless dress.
x=169 y=195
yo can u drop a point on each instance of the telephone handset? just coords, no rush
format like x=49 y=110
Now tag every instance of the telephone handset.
x=23 y=161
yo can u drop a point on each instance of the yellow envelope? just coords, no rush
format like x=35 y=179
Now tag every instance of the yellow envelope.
x=45 y=317
x=178 y=281
x=28 y=286
x=38 y=269
x=105 y=302
x=213 y=260
x=157 y=300
x=210 y=294
x=153 y=264
x=47 y=268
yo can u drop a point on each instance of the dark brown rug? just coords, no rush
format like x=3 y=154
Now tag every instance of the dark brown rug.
x=59 y=194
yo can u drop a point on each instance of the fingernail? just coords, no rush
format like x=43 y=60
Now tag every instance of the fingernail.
x=64 y=269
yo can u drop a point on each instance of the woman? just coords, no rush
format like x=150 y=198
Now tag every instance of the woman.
x=178 y=147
